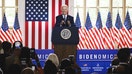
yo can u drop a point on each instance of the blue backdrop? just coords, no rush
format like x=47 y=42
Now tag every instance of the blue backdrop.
x=90 y=61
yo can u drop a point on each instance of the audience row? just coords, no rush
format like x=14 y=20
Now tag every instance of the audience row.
x=17 y=59
x=122 y=64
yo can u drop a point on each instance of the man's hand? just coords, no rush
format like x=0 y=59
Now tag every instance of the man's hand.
x=68 y=22
x=62 y=22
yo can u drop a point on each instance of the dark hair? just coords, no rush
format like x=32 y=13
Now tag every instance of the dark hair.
x=123 y=54
x=16 y=45
x=65 y=63
x=25 y=52
x=6 y=45
x=115 y=62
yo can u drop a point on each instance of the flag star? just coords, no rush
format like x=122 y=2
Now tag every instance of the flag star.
x=43 y=10
x=34 y=4
x=31 y=18
x=46 y=2
x=41 y=18
x=36 y=18
x=36 y=7
x=38 y=15
x=34 y=10
x=41 y=7
x=46 y=13
x=39 y=10
x=31 y=2
x=41 y=13
x=27 y=7
x=27 y=13
x=45 y=7
x=27 y=2
x=38 y=4
x=34 y=15
x=31 y=7
x=45 y=18
x=27 y=18
x=41 y=2
x=29 y=10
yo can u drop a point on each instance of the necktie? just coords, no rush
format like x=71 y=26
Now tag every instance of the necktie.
x=64 y=17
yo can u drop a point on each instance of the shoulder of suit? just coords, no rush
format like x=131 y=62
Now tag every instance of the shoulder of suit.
x=59 y=16
x=70 y=16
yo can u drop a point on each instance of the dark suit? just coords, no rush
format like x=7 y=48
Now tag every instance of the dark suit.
x=60 y=18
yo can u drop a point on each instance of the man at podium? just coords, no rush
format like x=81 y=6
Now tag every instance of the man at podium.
x=63 y=47
x=64 y=20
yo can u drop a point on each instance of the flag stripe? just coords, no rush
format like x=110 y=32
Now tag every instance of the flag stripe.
x=26 y=33
x=33 y=34
x=36 y=34
x=46 y=35
x=60 y=3
x=39 y=34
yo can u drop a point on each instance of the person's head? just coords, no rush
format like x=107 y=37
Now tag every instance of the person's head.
x=17 y=44
x=6 y=46
x=115 y=61
x=25 y=52
x=53 y=57
x=123 y=54
x=64 y=9
x=65 y=63
x=27 y=70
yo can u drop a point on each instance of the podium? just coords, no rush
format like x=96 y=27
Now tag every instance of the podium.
x=65 y=40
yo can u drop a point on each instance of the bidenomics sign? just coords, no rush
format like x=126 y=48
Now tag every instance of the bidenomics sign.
x=95 y=61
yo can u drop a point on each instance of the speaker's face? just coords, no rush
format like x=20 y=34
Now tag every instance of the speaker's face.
x=64 y=10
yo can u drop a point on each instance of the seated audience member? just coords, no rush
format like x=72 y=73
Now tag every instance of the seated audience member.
x=25 y=57
x=51 y=65
x=74 y=64
x=27 y=70
x=115 y=63
x=123 y=56
x=14 y=69
x=15 y=57
x=66 y=67
x=33 y=55
x=6 y=46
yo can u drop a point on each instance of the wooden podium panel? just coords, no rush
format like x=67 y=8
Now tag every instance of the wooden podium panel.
x=63 y=51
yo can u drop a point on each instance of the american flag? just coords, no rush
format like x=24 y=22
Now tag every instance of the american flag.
x=127 y=34
x=16 y=34
x=5 y=34
x=89 y=33
x=39 y=21
x=98 y=32
x=107 y=32
x=118 y=32
x=81 y=44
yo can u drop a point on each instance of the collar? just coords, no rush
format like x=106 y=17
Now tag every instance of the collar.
x=65 y=16
x=123 y=63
